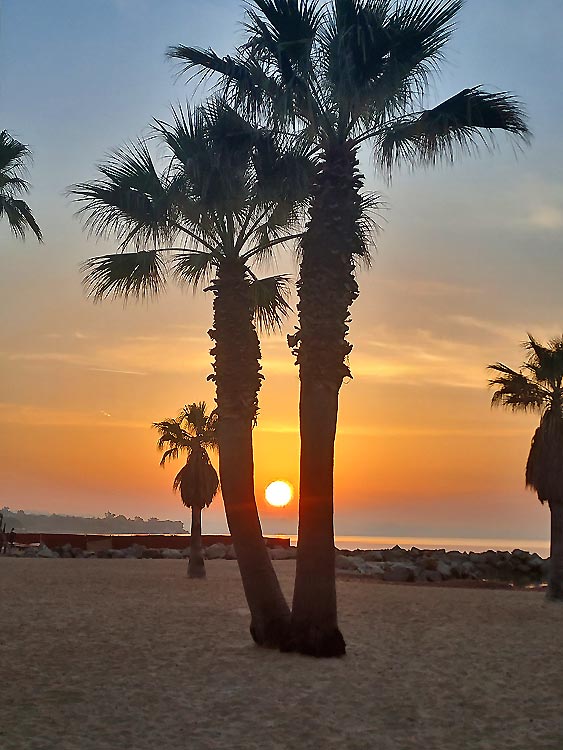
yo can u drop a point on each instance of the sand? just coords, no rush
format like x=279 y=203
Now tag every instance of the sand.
x=131 y=655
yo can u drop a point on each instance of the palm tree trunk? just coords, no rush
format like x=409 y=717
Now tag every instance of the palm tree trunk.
x=555 y=584
x=238 y=379
x=327 y=289
x=196 y=564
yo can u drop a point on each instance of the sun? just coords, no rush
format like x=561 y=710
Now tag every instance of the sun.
x=279 y=493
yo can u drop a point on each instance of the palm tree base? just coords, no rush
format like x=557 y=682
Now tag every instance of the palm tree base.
x=271 y=634
x=199 y=574
x=312 y=640
x=196 y=569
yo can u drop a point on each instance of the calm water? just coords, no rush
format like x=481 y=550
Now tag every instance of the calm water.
x=541 y=546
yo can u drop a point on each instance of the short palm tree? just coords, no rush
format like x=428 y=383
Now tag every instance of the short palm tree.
x=538 y=387
x=14 y=157
x=343 y=73
x=227 y=196
x=193 y=432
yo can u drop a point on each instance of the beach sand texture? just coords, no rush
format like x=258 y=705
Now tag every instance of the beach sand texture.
x=130 y=654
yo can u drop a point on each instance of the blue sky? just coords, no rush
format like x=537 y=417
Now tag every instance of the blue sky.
x=469 y=259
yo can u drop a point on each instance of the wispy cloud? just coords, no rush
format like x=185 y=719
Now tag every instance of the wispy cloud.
x=30 y=414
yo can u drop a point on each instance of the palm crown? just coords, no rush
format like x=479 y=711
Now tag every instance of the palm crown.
x=228 y=193
x=192 y=433
x=14 y=157
x=538 y=387
x=356 y=70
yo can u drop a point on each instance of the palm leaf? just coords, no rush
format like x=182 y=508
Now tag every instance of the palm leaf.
x=194 y=267
x=20 y=217
x=131 y=202
x=140 y=274
x=270 y=299
x=14 y=157
x=461 y=123
x=515 y=391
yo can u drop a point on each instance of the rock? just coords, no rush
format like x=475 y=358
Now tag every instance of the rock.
x=44 y=551
x=283 y=553
x=135 y=550
x=395 y=554
x=216 y=552
x=231 y=554
x=535 y=561
x=444 y=570
x=116 y=554
x=432 y=576
x=185 y=552
x=104 y=554
x=399 y=573
x=468 y=570
x=77 y=552
x=66 y=550
x=171 y=554
x=373 y=570
x=373 y=555
x=347 y=563
x=152 y=554
x=30 y=551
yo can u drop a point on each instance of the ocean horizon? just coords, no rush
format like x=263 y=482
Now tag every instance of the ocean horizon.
x=540 y=546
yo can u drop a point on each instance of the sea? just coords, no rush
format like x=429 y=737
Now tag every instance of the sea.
x=541 y=546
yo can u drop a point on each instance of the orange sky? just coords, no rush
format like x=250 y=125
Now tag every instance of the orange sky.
x=468 y=261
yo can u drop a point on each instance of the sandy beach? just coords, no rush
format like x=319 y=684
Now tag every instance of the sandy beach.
x=126 y=654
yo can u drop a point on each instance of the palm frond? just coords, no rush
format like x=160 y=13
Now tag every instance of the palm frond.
x=282 y=33
x=460 y=124
x=131 y=202
x=270 y=299
x=14 y=158
x=140 y=275
x=194 y=267
x=545 y=362
x=515 y=391
x=242 y=81
x=197 y=480
x=20 y=217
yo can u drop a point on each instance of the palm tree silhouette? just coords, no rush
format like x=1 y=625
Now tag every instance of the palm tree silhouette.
x=14 y=157
x=228 y=195
x=193 y=432
x=538 y=387
x=343 y=73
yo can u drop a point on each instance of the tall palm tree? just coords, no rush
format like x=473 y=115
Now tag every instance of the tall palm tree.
x=227 y=196
x=343 y=73
x=538 y=387
x=193 y=432
x=14 y=157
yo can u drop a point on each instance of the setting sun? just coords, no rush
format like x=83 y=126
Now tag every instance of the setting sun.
x=279 y=493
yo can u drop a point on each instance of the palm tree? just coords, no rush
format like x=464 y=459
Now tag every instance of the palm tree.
x=194 y=432
x=228 y=195
x=13 y=161
x=538 y=387
x=343 y=73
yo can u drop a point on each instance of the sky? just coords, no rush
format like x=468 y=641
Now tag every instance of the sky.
x=468 y=260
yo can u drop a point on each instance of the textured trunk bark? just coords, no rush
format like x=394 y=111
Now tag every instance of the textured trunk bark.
x=238 y=379
x=327 y=288
x=555 y=585
x=196 y=564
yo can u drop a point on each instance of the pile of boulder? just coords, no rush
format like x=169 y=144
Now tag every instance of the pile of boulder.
x=139 y=551
x=435 y=565
x=396 y=564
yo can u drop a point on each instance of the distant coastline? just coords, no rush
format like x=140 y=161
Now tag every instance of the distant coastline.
x=110 y=523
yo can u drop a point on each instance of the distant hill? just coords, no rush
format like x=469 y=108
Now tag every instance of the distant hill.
x=108 y=524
